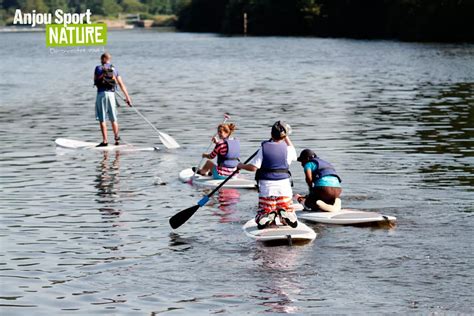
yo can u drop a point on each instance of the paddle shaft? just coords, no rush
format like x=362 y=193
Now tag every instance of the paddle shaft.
x=166 y=139
x=229 y=177
x=181 y=217
x=146 y=120
x=139 y=113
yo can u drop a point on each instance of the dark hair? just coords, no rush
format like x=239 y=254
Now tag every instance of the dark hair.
x=105 y=55
x=279 y=130
x=306 y=154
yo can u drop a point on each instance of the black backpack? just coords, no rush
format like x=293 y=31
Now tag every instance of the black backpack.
x=108 y=78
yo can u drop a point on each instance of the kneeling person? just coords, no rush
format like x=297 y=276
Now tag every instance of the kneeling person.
x=271 y=164
x=323 y=182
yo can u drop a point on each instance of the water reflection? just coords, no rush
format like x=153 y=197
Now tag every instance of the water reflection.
x=392 y=125
x=447 y=122
x=108 y=178
x=178 y=243
x=227 y=200
x=107 y=184
x=280 y=286
x=223 y=204
x=446 y=130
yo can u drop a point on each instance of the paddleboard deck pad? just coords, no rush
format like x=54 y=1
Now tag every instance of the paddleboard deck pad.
x=279 y=232
x=237 y=182
x=346 y=217
x=78 y=144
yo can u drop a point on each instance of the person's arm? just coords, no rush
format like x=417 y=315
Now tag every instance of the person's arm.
x=288 y=141
x=309 y=178
x=254 y=164
x=124 y=89
x=247 y=167
x=97 y=76
x=218 y=149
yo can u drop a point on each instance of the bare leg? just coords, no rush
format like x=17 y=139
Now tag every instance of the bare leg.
x=103 y=129
x=206 y=168
x=115 y=128
x=328 y=207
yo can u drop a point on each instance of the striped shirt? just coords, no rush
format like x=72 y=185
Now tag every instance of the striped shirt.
x=221 y=150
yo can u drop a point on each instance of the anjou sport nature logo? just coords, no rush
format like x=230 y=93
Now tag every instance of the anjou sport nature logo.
x=69 y=29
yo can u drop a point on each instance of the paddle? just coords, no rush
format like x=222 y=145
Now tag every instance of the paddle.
x=166 y=139
x=180 y=218
x=226 y=117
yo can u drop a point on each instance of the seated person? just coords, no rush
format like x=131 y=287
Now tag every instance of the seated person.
x=227 y=150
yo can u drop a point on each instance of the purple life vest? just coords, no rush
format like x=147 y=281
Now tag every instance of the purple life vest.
x=324 y=169
x=231 y=158
x=274 y=163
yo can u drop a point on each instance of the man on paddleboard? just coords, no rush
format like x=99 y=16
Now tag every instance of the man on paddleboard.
x=106 y=78
x=323 y=182
x=271 y=164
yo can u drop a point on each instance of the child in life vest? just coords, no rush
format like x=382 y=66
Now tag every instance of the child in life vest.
x=227 y=151
x=323 y=182
x=271 y=164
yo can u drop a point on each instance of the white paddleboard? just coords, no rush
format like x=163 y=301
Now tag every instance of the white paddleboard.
x=237 y=182
x=279 y=233
x=346 y=217
x=78 y=144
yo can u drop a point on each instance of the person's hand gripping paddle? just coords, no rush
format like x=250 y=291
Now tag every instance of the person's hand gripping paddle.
x=181 y=217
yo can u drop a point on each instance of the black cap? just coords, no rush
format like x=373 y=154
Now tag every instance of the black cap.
x=279 y=130
x=306 y=154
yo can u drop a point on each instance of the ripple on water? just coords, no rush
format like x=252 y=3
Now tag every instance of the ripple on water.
x=85 y=231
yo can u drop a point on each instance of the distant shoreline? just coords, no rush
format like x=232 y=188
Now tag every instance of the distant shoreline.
x=21 y=29
x=29 y=29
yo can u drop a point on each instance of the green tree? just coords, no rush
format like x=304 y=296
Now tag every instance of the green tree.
x=158 y=6
x=133 y=6
x=53 y=5
x=110 y=7
x=37 y=5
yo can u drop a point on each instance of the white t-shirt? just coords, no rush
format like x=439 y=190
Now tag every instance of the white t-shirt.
x=274 y=187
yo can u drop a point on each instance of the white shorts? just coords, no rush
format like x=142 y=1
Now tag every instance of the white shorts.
x=105 y=106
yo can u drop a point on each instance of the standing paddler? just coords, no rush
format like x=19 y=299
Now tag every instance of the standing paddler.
x=106 y=78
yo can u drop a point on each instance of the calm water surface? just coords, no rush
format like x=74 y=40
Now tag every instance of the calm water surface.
x=86 y=232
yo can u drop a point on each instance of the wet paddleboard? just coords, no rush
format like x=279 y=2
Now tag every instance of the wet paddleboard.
x=301 y=233
x=346 y=217
x=78 y=144
x=237 y=182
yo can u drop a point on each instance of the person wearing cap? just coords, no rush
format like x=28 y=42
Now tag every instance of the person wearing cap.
x=323 y=182
x=271 y=164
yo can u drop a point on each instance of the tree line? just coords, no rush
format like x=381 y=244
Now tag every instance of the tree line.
x=411 y=20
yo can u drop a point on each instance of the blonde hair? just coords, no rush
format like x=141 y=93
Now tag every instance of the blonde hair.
x=228 y=128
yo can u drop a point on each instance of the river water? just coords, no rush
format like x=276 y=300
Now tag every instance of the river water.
x=85 y=232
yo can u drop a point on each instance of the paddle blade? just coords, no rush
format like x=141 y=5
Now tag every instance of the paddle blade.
x=182 y=217
x=168 y=141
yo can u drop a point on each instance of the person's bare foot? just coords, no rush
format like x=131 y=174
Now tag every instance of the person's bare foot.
x=328 y=207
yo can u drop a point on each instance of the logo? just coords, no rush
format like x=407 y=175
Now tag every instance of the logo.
x=68 y=29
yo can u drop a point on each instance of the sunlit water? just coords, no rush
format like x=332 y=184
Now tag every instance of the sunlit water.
x=87 y=232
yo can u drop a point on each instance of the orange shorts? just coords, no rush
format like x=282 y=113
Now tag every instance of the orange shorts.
x=269 y=204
